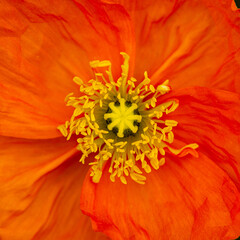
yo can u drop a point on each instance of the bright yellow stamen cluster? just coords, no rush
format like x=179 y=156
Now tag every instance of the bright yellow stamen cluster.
x=145 y=148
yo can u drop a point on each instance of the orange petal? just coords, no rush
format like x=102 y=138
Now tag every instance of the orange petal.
x=211 y=118
x=43 y=46
x=40 y=184
x=187 y=198
x=189 y=42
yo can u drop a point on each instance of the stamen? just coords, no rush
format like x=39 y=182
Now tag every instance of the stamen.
x=121 y=122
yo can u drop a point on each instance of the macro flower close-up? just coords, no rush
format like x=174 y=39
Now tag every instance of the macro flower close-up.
x=119 y=119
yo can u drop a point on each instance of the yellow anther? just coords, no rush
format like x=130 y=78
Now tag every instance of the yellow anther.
x=152 y=88
x=137 y=142
x=63 y=130
x=97 y=175
x=154 y=162
x=145 y=129
x=153 y=102
x=125 y=171
x=147 y=169
x=123 y=179
x=120 y=150
x=92 y=115
x=171 y=123
x=161 y=162
x=145 y=138
x=78 y=80
x=163 y=89
x=135 y=97
x=136 y=169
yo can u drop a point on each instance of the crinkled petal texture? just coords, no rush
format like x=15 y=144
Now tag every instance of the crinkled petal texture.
x=190 y=42
x=40 y=191
x=187 y=198
x=212 y=119
x=42 y=47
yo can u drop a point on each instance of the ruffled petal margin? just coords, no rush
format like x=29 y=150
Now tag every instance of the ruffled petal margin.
x=187 y=198
x=43 y=46
x=211 y=118
x=40 y=185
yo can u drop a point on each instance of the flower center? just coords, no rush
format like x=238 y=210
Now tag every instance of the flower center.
x=123 y=118
x=122 y=123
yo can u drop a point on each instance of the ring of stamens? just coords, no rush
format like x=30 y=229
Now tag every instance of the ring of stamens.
x=123 y=118
x=122 y=123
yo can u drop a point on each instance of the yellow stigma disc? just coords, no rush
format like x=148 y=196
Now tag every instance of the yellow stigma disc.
x=123 y=118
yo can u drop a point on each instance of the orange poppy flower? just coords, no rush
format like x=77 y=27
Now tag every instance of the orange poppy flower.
x=194 y=44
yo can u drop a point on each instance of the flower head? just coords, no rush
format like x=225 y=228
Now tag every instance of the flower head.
x=194 y=44
x=121 y=122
